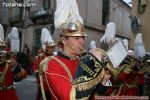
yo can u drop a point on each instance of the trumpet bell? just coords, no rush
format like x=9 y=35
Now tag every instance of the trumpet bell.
x=108 y=65
x=6 y=57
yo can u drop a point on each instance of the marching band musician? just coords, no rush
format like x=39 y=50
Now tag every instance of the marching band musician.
x=48 y=47
x=120 y=72
x=130 y=81
x=8 y=69
x=61 y=70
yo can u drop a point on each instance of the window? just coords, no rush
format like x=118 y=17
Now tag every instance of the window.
x=105 y=12
x=46 y=4
x=37 y=40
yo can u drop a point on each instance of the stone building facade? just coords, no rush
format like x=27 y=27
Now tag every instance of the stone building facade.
x=95 y=13
x=140 y=10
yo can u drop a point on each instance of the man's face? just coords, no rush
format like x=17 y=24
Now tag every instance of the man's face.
x=74 y=45
x=50 y=50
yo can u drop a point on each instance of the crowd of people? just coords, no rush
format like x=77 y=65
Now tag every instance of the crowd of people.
x=74 y=72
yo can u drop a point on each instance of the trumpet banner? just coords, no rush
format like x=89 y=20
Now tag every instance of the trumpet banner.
x=89 y=73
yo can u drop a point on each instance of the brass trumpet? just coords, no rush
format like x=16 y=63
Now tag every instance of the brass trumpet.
x=6 y=57
x=108 y=65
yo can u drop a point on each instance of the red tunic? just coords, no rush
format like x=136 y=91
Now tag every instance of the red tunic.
x=129 y=80
x=58 y=79
x=8 y=81
x=127 y=84
x=6 y=95
x=36 y=63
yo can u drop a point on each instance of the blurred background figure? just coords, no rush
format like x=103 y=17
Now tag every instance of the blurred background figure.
x=23 y=59
x=12 y=40
x=26 y=49
x=139 y=46
x=92 y=44
x=48 y=47
x=10 y=70
x=109 y=36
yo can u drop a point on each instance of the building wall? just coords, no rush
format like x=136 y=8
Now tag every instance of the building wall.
x=90 y=11
x=120 y=13
x=144 y=20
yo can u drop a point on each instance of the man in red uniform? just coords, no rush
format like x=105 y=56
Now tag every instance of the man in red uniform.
x=48 y=46
x=60 y=70
x=8 y=69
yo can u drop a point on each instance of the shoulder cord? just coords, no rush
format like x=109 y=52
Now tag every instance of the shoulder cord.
x=40 y=73
x=62 y=64
x=42 y=87
x=65 y=68
x=2 y=77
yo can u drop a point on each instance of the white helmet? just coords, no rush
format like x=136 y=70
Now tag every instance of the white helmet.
x=46 y=38
x=92 y=44
x=139 y=46
x=110 y=32
x=67 y=18
x=2 y=43
x=13 y=34
x=126 y=43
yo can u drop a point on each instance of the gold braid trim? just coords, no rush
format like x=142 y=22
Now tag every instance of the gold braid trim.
x=46 y=60
x=42 y=87
x=73 y=92
x=144 y=70
x=133 y=84
x=2 y=74
x=91 y=83
x=65 y=68
x=42 y=67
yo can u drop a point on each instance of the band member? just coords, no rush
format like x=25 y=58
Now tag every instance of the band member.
x=131 y=80
x=13 y=39
x=48 y=47
x=8 y=69
x=109 y=36
x=61 y=71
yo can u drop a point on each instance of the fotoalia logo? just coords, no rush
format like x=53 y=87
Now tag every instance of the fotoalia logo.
x=19 y=4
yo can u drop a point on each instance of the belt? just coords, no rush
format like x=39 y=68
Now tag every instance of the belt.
x=5 y=88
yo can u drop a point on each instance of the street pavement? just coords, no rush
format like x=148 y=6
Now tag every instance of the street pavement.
x=27 y=88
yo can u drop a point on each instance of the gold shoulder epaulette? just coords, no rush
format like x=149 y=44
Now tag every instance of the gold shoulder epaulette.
x=44 y=62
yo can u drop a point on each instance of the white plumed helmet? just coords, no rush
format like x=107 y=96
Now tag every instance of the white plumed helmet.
x=46 y=38
x=67 y=18
x=126 y=43
x=139 y=46
x=1 y=36
x=1 y=32
x=110 y=32
x=13 y=34
x=92 y=44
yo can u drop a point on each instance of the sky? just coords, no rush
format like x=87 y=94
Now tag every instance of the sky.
x=127 y=1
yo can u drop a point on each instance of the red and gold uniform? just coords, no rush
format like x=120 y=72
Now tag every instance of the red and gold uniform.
x=40 y=56
x=59 y=73
x=7 y=72
x=128 y=81
x=57 y=77
x=38 y=59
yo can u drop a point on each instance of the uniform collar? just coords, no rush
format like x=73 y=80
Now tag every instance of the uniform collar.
x=64 y=55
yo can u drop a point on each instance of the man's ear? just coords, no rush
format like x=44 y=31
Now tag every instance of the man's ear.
x=63 y=40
